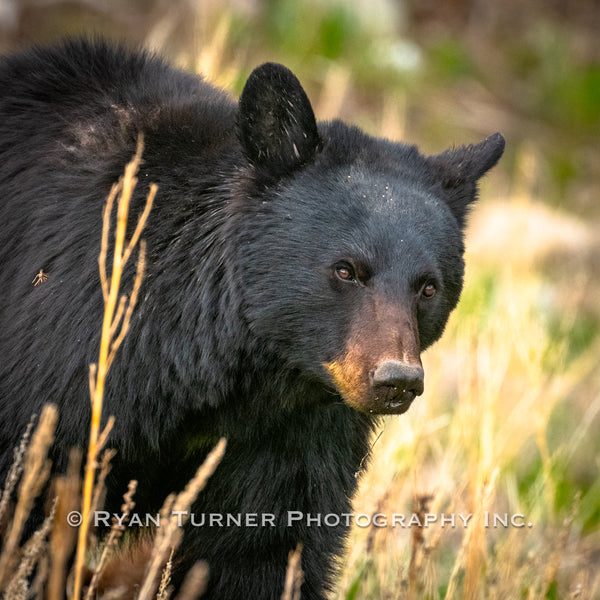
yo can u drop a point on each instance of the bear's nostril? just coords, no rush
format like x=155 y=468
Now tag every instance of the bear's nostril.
x=397 y=383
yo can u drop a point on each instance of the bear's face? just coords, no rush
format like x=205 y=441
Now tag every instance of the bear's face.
x=357 y=244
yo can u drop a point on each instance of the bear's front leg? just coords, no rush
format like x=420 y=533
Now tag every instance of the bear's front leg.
x=250 y=559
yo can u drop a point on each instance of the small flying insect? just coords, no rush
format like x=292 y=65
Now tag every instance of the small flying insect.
x=39 y=278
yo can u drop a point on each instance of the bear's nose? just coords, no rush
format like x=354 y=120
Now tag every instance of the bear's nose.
x=396 y=384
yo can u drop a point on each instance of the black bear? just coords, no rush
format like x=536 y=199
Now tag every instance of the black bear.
x=296 y=270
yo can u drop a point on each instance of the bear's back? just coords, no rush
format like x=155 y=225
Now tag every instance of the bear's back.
x=70 y=118
x=79 y=77
x=81 y=104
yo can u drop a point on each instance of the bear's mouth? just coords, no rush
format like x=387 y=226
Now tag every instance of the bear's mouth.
x=392 y=402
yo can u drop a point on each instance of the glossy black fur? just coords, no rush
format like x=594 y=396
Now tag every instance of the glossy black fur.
x=240 y=307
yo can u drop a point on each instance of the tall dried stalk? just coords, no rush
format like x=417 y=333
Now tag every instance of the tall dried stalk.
x=15 y=469
x=32 y=551
x=194 y=584
x=173 y=514
x=62 y=539
x=117 y=316
x=293 y=575
x=469 y=557
x=116 y=531
x=36 y=470
x=164 y=592
x=417 y=551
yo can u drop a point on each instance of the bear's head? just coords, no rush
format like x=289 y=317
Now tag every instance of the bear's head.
x=352 y=251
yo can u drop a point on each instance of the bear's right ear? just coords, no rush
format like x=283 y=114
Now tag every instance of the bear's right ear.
x=459 y=169
x=277 y=126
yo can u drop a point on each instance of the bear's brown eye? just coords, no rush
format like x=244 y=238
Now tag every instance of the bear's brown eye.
x=429 y=290
x=344 y=272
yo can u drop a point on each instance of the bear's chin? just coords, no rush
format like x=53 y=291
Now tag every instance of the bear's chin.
x=374 y=404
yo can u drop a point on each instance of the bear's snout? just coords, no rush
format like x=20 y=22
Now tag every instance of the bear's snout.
x=387 y=389
x=395 y=385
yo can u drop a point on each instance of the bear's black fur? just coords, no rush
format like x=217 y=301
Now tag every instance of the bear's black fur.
x=295 y=273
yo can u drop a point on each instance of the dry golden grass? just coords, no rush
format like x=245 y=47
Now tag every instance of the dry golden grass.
x=34 y=549
x=174 y=513
x=15 y=471
x=116 y=532
x=35 y=473
x=63 y=536
x=294 y=576
x=194 y=584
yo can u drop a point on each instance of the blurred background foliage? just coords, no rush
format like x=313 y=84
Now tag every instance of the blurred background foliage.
x=510 y=419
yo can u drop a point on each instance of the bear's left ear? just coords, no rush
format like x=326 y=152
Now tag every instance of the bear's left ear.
x=277 y=126
x=460 y=168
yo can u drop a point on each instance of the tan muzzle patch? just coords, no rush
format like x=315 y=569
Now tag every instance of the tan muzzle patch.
x=351 y=380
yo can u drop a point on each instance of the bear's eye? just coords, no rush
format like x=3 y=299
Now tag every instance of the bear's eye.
x=428 y=290
x=345 y=272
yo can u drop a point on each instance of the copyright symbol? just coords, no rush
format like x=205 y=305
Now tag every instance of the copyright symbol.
x=74 y=518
